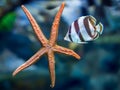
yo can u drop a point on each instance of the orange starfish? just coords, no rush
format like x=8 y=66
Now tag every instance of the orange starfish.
x=49 y=46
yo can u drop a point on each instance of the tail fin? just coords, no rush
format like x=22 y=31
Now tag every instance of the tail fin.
x=99 y=28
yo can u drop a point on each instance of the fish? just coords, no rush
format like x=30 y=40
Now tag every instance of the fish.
x=83 y=30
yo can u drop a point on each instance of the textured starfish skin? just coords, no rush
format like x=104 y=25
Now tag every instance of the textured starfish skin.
x=49 y=46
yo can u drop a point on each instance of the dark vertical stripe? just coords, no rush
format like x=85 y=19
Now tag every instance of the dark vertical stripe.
x=87 y=26
x=77 y=29
x=69 y=34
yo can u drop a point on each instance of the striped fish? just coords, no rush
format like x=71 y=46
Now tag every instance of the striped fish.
x=84 y=29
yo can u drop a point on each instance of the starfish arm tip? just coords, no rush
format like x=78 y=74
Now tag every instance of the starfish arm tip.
x=14 y=73
x=52 y=86
x=18 y=70
x=63 y=3
x=78 y=57
x=22 y=6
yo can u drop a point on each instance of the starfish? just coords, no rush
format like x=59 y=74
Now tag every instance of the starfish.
x=49 y=47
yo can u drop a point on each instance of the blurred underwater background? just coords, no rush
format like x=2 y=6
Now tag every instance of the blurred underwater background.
x=99 y=66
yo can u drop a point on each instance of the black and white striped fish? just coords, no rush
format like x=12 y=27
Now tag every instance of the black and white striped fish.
x=84 y=29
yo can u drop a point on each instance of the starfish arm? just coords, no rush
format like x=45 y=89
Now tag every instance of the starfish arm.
x=32 y=60
x=60 y=49
x=54 y=29
x=35 y=26
x=51 y=67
